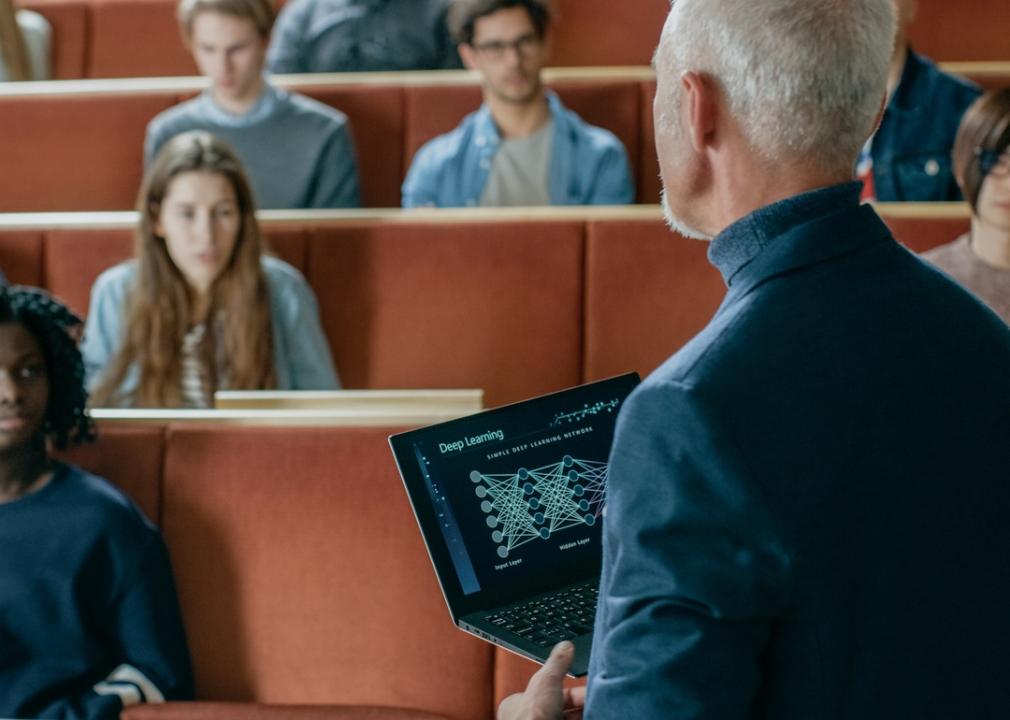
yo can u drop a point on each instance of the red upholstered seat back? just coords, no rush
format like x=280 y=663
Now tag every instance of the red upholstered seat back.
x=136 y=38
x=650 y=184
x=303 y=577
x=922 y=234
x=74 y=152
x=257 y=711
x=459 y=304
x=21 y=256
x=648 y=291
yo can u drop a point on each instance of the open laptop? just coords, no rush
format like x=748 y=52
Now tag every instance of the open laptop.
x=509 y=502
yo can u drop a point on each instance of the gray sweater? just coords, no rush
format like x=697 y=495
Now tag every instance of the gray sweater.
x=297 y=152
x=989 y=284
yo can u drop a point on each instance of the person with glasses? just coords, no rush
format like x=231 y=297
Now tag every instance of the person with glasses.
x=980 y=260
x=522 y=147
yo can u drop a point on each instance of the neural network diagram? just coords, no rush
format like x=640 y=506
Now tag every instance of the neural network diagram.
x=533 y=504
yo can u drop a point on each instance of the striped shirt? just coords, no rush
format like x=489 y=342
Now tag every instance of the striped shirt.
x=194 y=385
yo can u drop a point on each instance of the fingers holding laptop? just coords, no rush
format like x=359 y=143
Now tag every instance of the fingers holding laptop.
x=545 y=697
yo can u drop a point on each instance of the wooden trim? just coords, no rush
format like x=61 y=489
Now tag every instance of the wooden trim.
x=429 y=78
x=193 y=84
x=426 y=216
x=298 y=418
x=394 y=402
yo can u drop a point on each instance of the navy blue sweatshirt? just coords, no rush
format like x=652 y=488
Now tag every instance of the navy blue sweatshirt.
x=89 y=620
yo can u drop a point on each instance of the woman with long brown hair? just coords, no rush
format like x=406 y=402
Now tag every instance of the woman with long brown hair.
x=201 y=307
x=24 y=44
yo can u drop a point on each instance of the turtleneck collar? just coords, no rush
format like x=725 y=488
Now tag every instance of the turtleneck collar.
x=736 y=246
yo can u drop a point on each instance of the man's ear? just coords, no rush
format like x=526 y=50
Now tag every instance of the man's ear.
x=468 y=55
x=700 y=109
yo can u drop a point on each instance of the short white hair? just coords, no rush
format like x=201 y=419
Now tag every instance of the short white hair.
x=803 y=78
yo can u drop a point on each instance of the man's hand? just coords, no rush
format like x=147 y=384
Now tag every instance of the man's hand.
x=546 y=698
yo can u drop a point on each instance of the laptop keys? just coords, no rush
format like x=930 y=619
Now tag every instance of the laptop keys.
x=547 y=621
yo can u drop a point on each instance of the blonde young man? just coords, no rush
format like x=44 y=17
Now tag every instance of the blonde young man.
x=297 y=152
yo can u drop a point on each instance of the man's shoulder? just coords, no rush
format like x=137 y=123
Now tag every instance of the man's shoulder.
x=105 y=504
x=445 y=147
x=187 y=115
x=303 y=110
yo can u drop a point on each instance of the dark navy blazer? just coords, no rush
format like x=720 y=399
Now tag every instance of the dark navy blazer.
x=809 y=505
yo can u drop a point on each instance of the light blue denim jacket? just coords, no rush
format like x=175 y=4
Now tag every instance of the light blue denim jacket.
x=302 y=358
x=589 y=165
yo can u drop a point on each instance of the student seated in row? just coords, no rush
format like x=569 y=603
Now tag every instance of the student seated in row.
x=24 y=44
x=89 y=621
x=201 y=307
x=298 y=151
x=522 y=147
x=980 y=260
x=908 y=158
x=320 y=36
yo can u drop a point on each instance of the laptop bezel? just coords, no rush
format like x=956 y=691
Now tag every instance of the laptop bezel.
x=460 y=604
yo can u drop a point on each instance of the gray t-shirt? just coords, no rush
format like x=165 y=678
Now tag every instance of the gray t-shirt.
x=297 y=151
x=520 y=170
x=990 y=284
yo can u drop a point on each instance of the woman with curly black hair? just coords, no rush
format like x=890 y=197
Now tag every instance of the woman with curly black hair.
x=89 y=622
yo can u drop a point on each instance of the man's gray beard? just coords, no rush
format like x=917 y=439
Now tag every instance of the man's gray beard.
x=678 y=225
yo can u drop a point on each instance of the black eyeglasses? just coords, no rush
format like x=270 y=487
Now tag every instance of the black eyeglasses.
x=525 y=45
x=993 y=162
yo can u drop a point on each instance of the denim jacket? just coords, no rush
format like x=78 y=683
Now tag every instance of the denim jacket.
x=911 y=150
x=301 y=355
x=589 y=165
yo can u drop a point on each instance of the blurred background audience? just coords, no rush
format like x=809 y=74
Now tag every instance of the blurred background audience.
x=522 y=147
x=299 y=152
x=322 y=36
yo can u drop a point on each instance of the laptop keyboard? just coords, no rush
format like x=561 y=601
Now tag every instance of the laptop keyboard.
x=550 y=619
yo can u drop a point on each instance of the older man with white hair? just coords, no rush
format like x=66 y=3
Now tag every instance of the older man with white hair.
x=808 y=504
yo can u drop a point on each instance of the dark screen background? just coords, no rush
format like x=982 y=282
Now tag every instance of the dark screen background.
x=545 y=477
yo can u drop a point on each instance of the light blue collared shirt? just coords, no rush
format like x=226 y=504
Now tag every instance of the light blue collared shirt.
x=589 y=165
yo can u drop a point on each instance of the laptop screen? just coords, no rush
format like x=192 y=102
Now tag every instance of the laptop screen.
x=509 y=500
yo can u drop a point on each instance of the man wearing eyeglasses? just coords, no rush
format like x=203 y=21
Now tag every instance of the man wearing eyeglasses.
x=522 y=147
